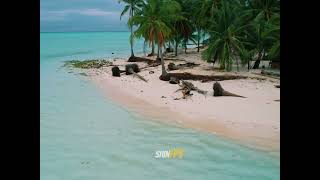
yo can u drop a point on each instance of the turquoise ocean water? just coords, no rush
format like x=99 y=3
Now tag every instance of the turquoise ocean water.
x=85 y=136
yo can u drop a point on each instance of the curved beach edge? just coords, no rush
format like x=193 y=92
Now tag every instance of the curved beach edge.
x=253 y=121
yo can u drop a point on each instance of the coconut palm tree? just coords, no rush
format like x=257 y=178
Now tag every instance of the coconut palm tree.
x=133 y=6
x=262 y=11
x=182 y=34
x=274 y=32
x=203 y=12
x=226 y=36
x=153 y=23
x=258 y=41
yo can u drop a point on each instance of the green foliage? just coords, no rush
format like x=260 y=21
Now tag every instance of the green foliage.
x=226 y=30
x=242 y=30
x=153 y=22
x=134 y=7
x=87 y=64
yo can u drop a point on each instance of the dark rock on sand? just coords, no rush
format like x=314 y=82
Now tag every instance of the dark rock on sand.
x=115 y=71
x=134 y=67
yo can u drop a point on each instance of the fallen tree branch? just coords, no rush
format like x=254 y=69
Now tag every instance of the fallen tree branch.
x=139 y=59
x=270 y=73
x=173 y=59
x=266 y=75
x=172 y=66
x=187 y=87
x=189 y=76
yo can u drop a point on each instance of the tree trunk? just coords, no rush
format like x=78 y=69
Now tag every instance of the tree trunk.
x=214 y=59
x=237 y=64
x=222 y=66
x=131 y=38
x=198 y=40
x=257 y=63
x=163 y=72
x=249 y=65
x=152 y=47
x=176 y=49
x=185 y=47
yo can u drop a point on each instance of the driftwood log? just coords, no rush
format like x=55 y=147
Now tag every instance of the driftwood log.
x=115 y=71
x=150 y=62
x=153 y=63
x=139 y=59
x=270 y=76
x=219 y=91
x=172 y=66
x=187 y=87
x=270 y=73
x=189 y=76
x=173 y=59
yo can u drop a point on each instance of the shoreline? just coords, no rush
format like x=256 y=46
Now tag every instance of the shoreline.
x=253 y=121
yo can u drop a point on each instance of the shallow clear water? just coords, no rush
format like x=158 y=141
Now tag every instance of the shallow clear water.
x=85 y=136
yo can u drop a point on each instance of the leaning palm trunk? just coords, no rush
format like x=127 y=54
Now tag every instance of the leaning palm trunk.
x=198 y=40
x=158 y=54
x=152 y=47
x=214 y=59
x=163 y=72
x=131 y=29
x=257 y=63
x=176 y=49
x=185 y=47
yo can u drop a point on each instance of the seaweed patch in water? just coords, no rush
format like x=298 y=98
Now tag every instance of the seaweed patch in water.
x=87 y=64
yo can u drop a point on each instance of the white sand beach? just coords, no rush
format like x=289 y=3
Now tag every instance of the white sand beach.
x=254 y=120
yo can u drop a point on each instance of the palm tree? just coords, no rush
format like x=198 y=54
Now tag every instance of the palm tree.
x=226 y=36
x=153 y=23
x=258 y=41
x=203 y=12
x=274 y=33
x=262 y=11
x=133 y=6
x=182 y=34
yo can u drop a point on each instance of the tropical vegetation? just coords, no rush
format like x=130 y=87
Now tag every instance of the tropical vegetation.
x=232 y=31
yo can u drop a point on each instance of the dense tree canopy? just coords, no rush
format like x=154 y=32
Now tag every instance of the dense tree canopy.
x=233 y=31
